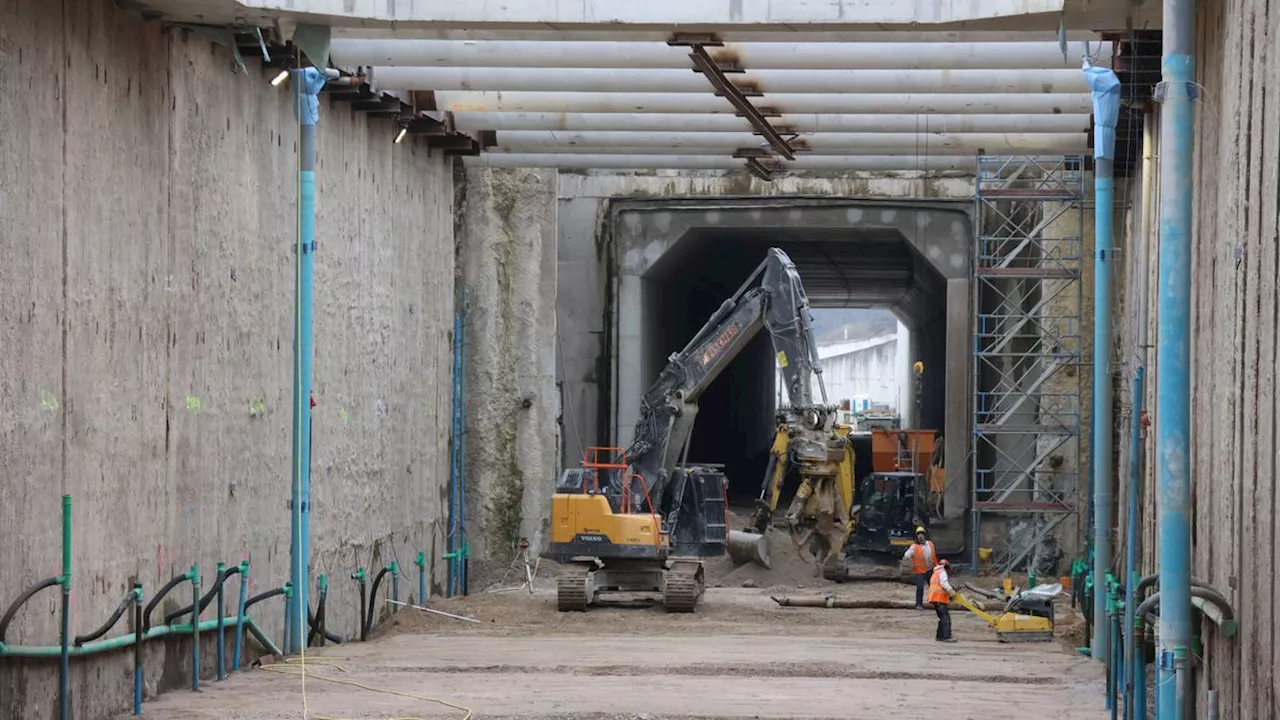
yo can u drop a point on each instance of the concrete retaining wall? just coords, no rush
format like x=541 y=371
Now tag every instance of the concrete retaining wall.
x=147 y=201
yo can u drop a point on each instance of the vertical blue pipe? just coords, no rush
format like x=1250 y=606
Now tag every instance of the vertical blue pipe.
x=222 y=634
x=244 y=585
x=1105 y=87
x=195 y=627
x=307 y=83
x=64 y=668
x=421 y=562
x=454 y=450
x=462 y=454
x=1173 y=354
x=137 y=647
x=1131 y=544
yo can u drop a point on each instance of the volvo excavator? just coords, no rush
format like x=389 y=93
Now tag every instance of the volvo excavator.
x=641 y=519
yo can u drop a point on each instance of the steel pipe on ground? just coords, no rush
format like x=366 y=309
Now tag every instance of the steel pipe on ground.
x=832 y=163
x=805 y=123
x=770 y=82
x=752 y=56
x=632 y=143
x=832 y=103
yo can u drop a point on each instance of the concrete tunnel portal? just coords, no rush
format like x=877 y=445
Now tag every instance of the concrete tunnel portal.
x=677 y=261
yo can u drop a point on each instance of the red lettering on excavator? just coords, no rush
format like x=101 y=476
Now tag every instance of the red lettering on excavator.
x=718 y=345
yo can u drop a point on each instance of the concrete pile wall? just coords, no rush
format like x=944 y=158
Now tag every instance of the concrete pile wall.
x=147 y=199
x=509 y=272
x=1234 y=340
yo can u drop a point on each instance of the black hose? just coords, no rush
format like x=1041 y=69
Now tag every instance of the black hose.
x=204 y=601
x=110 y=623
x=146 y=615
x=315 y=623
x=315 y=620
x=364 y=634
x=373 y=594
x=22 y=600
x=262 y=596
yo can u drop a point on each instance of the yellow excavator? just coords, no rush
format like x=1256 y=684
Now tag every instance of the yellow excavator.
x=640 y=519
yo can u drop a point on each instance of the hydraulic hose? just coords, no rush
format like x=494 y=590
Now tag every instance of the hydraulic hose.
x=146 y=615
x=263 y=596
x=204 y=601
x=22 y=600
x=128 y=600
x=373 y=593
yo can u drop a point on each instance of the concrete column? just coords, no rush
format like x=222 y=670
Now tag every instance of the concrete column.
x=959 y=388
x=508 y=258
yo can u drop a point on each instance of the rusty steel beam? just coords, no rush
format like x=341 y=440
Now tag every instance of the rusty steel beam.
x=703 y=63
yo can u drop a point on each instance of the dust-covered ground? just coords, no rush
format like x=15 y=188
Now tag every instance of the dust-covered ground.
x=740 y=655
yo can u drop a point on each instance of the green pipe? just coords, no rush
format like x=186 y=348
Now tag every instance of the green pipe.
x=124 y=641
x=64 y=670
x=66 y=538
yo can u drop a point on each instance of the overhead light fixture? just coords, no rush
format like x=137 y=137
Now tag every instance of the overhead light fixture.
x=403 y=131
x=277 y=80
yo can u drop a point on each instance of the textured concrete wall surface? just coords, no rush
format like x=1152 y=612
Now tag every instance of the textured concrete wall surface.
x=147 y=211
x=509 y=272
x=1234 y=340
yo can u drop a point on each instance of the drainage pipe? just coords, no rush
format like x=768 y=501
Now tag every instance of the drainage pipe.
x=655 y=56
x=174 y=582
x=1105 y=90
x=103 y=629
x=1131 y=544
x=1061 y=103
x=208 y=598
x=769 y=82
x=22 y=600
x=124 y=641
x=137 y=647
x=64 y=670
x=307 y=83
x=881 y=163
x=463 y=547
x=421 y=562
x=222 y=637
x=360 y=576
x=709 y=143
x=1176 y=93
x=244 y=585
x=802 y=123
x=367 y=622
x=195 y=628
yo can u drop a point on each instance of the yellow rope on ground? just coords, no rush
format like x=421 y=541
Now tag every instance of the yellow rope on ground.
x=300 y=670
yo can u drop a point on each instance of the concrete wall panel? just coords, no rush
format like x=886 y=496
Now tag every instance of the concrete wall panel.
x=147 y=211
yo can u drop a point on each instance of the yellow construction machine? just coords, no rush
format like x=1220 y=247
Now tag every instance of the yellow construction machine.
x=1027 y=615
x=640 y=520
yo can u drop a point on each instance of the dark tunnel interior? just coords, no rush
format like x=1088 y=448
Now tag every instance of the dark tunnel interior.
x=844 y=268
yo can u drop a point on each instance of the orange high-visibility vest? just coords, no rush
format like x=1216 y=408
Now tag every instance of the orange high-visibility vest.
x=936 y=592
x=919 y=565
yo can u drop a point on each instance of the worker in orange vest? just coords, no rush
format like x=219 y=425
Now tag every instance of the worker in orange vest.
x=940 y=594
x=922 y=557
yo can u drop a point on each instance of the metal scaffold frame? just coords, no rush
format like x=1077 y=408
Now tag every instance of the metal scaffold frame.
x=1027 y=345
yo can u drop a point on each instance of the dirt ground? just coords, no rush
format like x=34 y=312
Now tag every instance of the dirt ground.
x=740 y=655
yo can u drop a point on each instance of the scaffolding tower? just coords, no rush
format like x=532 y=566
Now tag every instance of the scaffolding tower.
x=1027 y=300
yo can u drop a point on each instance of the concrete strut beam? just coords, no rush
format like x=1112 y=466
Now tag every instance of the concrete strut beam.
x=823 y=163
x=772 y=82
x=754 y=56
x=770 y=34
x=635 y=143
x=804 y=123
x=829 y=103
x=708 y=15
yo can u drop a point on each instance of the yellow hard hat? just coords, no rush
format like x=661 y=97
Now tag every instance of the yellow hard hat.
x=918 y=367
x=920 y=530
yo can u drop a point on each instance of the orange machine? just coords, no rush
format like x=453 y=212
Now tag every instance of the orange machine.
x=916 y=451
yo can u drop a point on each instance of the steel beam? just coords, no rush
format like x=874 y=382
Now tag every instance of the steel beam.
x=756 y=56
x=772 y=82
x=661 y=102
x=805 y=123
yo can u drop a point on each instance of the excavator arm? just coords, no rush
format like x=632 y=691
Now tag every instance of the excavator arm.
x=777 y=304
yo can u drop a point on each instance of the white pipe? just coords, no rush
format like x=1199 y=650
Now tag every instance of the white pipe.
x=693 y=122
x=769 y=82
x=752 y=56
x=870 y=163
x=635 y=143
x=774 y=34
x=588 y=102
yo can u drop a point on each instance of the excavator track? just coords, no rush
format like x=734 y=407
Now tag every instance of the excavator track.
x=571 y=589
x=682 y=588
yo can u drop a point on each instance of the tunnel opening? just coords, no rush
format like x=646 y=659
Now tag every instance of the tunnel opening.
x=851 y=267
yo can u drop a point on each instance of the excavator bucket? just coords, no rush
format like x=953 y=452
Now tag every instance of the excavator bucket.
x=745 y=547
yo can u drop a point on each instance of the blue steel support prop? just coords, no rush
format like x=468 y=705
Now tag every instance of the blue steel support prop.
x=1105 y=88
x=462 y=463
x=1176 y=93
x=307 y=83
x=1132 y=679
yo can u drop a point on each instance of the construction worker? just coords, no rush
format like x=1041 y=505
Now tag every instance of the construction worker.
x=940 y=594
x=922 y=557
